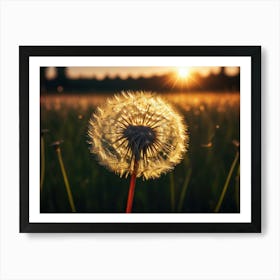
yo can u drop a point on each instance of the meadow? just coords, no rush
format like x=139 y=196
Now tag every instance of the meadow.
x=206 y=181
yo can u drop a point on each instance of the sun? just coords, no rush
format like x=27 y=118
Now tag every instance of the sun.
x=183 y=72
x=181 y=77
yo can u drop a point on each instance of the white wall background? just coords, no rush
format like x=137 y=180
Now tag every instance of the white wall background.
x=139 y=256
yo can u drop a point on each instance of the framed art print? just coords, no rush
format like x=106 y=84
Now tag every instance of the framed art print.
x=140 y=138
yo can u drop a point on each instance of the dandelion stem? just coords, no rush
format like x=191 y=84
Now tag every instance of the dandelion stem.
x=67 y=186
x=42 y=162
x=218 y=206
x=131 y=188
x=172 y=192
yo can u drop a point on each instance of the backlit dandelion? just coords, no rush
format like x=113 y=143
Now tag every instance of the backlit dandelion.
x=137 y=134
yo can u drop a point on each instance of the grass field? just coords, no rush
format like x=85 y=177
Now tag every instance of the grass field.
x=210 y=165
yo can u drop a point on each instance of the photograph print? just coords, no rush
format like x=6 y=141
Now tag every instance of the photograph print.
x=129 y=142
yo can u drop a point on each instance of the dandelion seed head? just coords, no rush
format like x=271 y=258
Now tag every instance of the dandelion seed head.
x=137 y=126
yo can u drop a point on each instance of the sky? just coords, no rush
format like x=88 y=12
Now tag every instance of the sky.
x=135 y=72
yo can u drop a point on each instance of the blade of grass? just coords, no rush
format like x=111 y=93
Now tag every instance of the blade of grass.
x=184 y=189
x=65 y=178
x=237 y=190
x=220 y=201
x=42 y=162
x=172 y=191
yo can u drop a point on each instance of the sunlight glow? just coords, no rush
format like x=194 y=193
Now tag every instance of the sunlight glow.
x=183 y=72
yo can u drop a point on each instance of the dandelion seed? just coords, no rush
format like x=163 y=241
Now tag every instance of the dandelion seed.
x=56 y=144
x=137 y=133
x=236 y=143
x=44 y=131
x=208 y=145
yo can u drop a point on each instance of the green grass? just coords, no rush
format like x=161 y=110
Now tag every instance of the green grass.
x=194 y=186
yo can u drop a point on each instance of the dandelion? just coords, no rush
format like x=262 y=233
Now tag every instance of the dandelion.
x=225 y=187
x=137 y=134
x=56 y=145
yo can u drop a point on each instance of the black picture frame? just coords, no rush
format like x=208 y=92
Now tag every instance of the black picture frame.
x=254 y=52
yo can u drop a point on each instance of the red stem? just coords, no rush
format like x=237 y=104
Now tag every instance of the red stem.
x=131 y=188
